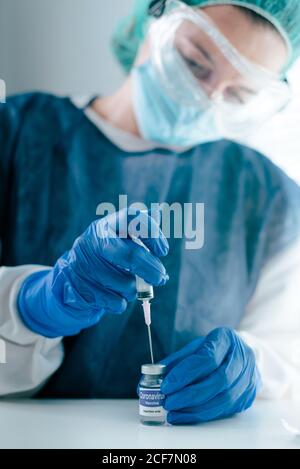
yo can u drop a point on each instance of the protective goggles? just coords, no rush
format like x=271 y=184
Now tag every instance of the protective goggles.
x=199 y=67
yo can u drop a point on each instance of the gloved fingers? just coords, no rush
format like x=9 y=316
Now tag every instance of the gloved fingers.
x=109 y=301
x=118 y=281
x=72 y=319
x=194 y=416
x=144 y=225
x=188 y=371
x=183 y=418
x=127 y=255
x=86 y=264
x=176 y=357
x=236 y=399
x=103 y=273
x=85 y=323
x=88 y=300
x=217 y=344
x=193 y=348
x=205 y=390
x=206 y=359
x=247 y=399
x=148 y=230
x=146 y=265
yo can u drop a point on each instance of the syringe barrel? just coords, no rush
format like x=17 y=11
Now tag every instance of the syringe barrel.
x=144 y=290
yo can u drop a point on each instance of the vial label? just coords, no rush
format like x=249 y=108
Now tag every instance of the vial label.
x=151 y=403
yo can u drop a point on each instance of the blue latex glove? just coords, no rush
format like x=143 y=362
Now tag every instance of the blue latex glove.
x=95 y=277
x=211 y=378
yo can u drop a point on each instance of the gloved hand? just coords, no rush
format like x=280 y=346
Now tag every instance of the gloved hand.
x=211 y=378
x=95 y=277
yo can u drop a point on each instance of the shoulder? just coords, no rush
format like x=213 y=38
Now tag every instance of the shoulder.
x=262 y=199
x=35 y=120
x=24 y=101
x=248 y=166
x=270 y=198
x=21 y=103
x=245 y=163
x=37 y=109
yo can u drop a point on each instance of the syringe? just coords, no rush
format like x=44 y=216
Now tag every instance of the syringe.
x=145 y=293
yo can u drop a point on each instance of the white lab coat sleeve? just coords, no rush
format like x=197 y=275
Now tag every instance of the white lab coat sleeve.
x=271 y=326
x=27 y=360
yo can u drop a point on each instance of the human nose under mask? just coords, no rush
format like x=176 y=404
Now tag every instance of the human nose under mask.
x=162 y=120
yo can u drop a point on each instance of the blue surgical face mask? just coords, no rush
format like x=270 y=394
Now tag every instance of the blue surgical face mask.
x=162 y=120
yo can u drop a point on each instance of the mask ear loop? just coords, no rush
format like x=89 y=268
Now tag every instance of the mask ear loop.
x=288 y=85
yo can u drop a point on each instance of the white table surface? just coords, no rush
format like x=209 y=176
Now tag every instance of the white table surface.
x=112 y=424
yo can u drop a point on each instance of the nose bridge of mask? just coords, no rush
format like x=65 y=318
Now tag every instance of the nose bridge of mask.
x=165 y=121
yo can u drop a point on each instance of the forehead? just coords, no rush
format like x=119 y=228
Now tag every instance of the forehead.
x=262 y=45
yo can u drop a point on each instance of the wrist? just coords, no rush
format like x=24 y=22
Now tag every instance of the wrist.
x=32 y=304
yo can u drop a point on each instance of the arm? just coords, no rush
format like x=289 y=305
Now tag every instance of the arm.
x=30 y=358
x=96 y=277
x=223 y=373
x=38 y=306
x=271 y=326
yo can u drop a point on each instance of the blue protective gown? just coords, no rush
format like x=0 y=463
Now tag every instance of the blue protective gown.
x=56 y=167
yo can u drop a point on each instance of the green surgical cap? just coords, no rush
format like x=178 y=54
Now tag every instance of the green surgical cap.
x=283 y=14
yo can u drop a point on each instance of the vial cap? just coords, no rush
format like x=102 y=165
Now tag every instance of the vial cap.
x=156 y=369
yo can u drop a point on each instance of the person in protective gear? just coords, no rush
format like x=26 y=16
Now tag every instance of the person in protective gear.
x=226 y=319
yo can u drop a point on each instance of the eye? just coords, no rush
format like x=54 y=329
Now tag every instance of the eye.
x=201 y=72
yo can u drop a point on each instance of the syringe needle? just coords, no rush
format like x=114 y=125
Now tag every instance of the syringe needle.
x=147 y=314
x=150 y=343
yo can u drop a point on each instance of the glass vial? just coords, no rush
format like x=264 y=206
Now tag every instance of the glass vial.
x=152 y=400
x=145 y=291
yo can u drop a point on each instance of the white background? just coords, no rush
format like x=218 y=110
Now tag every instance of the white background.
x=63 y=46
x=280 y=138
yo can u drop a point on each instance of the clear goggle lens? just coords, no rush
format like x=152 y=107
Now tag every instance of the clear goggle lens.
x=199 y=67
